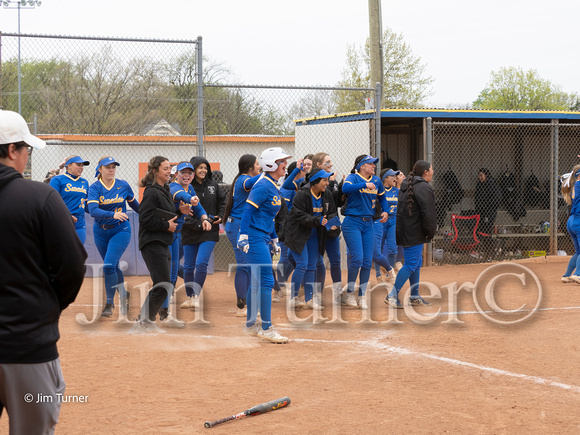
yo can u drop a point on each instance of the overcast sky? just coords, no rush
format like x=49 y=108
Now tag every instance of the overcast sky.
x=303 y=42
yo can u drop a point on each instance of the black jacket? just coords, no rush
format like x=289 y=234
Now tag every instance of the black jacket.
x=420 y=227
x=153 y=228
x=300 y=220
x=213 y=200
x=41 y=268
x=487 y=199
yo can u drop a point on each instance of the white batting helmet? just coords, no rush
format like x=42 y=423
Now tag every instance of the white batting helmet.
x=269 y=157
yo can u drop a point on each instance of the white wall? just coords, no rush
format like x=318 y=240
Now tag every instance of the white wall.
x=343 y=141
x=129 y=156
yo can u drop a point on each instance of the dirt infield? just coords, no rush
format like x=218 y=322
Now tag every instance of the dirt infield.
x=478 y=376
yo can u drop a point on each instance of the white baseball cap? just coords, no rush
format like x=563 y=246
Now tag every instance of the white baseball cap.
x=13 y=128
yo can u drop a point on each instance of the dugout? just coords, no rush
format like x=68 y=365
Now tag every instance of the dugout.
x=533 y=147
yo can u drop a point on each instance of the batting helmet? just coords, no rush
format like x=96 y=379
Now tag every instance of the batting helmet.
x=270 y=156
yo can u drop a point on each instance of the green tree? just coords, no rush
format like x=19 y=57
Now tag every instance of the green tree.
x=405 y=83
x=513 y=88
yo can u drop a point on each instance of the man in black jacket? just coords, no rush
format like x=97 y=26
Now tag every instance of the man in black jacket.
x=41 y=271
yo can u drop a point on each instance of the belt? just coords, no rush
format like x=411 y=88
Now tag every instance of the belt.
x=364 y=218
x=109 y=227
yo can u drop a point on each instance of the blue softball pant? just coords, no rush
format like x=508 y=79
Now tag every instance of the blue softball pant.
x=195 y=266
x=388 y=243
x=410 y=271
x=259 y=297
x=176 y=251
x=359 y=237
x=333 y=253
x=111 y=244
x=573 y=226
x=242 y=276
x=306 y=265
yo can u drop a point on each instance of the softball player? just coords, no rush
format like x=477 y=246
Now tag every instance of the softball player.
x=107 y=204
x=183 y=194
x=313 y=207
x=248 y=175
x=74 y=190
x=363 y=189
x=571 y=193
x=257 y=238
x=416 y=225
x=387 y=245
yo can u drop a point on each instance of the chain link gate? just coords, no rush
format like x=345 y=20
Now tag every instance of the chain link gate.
x=497 y=189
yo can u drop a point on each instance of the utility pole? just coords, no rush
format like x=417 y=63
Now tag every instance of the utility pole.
x=375 y=30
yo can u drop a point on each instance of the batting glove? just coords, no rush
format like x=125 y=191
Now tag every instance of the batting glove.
x=243 y=243
x=275 y=248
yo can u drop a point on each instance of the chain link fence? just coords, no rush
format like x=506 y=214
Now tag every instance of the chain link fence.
x=135 y=98
x=497 y=189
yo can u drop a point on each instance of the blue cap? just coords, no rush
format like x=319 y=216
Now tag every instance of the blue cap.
x=367 y=159
x=389 y=173
x=185 y=165
x=76 y=159
x=320 y=173
x=106 y=162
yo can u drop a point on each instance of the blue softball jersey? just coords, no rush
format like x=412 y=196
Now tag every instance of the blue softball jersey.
x=392 y=197
x=262 y=206
x=74 y=193
x=105 y=202
x=361 y=201
x=242 y=189
x=181 y=196
x=576 y=199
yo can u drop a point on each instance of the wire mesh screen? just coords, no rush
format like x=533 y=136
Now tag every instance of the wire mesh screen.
x=134 y=99
x=500 y=172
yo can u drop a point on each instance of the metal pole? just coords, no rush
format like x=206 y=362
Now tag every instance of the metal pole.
x=554 y=190
x=378 y=149
x=19 y=75
x=428 y=134
x=200 y=130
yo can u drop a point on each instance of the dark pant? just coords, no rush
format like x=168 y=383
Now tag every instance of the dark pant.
x=158 y=260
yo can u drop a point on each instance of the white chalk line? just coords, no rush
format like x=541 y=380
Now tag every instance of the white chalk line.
x=403 y=351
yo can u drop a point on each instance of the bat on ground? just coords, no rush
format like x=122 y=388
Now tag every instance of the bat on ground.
x=258 y=409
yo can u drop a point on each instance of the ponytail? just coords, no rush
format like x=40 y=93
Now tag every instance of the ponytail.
x=419 y=168
x=245 y=164
x=568 y=186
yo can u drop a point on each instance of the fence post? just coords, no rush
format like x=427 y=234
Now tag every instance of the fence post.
x=378 y=93
x=428 y=152
x=554 y=190
x=200 y=130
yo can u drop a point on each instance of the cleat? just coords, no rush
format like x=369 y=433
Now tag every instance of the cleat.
x=575 y=278
x=398 y=266
x=277 y=296
x=297 y=303
x=393 y=302
x=187 y=303
x=271 y=335
x=172 y=322
x=242 y=312
x=146 y=326
x=251 y=330
x=381 y=279
x=163 y=314
x=566 y=279
x=418 y=300
x=195 y=302
x=349 y=300
x=108 y=310
x=362 y=303
x=313 y=305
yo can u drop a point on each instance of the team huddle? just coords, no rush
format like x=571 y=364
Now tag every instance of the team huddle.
x=272 y=207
